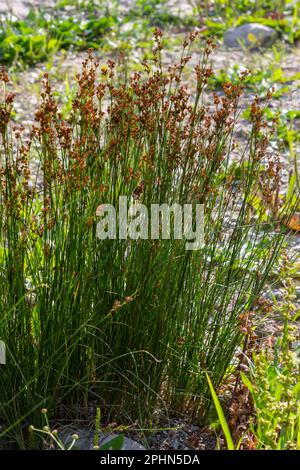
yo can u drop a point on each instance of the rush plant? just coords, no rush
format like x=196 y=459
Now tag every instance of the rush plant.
x=132 y=324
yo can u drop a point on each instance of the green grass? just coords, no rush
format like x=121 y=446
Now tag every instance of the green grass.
x=270 y=406
x=259 y=80
x=274 y=380
x=219 y=15
x=221 y=416
x=42 y=33
x=132 y=325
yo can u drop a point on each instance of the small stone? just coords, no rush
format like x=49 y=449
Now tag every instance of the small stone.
x=128 y=444
x=85 y=440
x=175 y=444
x=251 y=35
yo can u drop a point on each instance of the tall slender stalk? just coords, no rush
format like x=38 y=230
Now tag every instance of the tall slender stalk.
x=132 y=324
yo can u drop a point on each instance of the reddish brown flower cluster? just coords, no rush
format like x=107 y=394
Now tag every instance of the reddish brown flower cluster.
x=6 y=103
x=151 y=131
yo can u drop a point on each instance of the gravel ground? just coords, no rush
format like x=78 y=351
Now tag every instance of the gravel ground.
x=20 y=8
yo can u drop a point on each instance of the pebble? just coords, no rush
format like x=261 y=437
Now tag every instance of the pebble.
x=251 y=35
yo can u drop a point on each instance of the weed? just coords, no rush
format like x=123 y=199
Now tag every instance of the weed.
x=274 y=382
x=40 y=35
x=114 y=443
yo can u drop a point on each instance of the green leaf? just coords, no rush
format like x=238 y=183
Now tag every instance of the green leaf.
x=247 y=382
x=116 y=443
x=221 y=416
x=257 y=204
x=298 y=433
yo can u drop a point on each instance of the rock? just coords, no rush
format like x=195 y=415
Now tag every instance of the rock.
x=130 y=444
x=251 y=35
x=85 y=441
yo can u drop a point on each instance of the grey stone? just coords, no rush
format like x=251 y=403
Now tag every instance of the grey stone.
x=264 y=36
x=85 y=441
x=130 y=444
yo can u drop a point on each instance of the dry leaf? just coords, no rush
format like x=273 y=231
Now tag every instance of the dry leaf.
x=294 y=222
